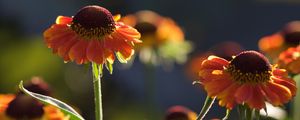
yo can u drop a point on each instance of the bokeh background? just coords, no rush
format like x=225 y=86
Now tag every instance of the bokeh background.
x=128 y=93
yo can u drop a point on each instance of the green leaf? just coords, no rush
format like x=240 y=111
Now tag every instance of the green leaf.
x=120 y=57
x=109 y=67
x=66 y=109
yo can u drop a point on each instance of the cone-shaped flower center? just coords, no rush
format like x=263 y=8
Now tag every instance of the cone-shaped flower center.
x=250 y=67
x=93 y=22
x=24 y=107
x=291 y=33
x=37 y=86
x=146 y=28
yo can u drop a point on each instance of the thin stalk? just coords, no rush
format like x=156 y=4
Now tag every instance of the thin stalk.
x=241 y=112
x=227 y=114
x=249 y=115
x=207 y=105
x=295 y=102
x=97 y=70
x=257 y=115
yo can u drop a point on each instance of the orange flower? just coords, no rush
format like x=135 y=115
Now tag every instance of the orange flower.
x=163 y=39
x=290 y=60
x=92 y=35
x=248 y=78
x=21 y=106
x=180 y=113
x=225 y=50
x=274 y=44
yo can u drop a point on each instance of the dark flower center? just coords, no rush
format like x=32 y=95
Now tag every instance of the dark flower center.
x=93 y=21
x=177 y=116
x=24 y=107
x=291 y=33
x=146 y=28
x=250 y=66
x=37 y=85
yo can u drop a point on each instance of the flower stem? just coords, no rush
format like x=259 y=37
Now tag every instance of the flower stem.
x=97 y=73
x=227 y=114
x=207 y=105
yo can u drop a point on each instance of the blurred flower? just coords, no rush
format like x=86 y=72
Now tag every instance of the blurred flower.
x=225 y=50
x=273 y=44
x=290 y=60
x=163 y=39
x=180 y=113
x=20 y=106
x=92 y=35
x=248 y=78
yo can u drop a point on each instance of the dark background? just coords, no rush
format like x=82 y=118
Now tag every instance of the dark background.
x=206 y=23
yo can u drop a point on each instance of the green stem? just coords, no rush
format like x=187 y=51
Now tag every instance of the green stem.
x=227 y=114
x=249 y=113
x=257 y=115
x=97 y=73
x=241 y=112
x=295 y=102
x=207 y=105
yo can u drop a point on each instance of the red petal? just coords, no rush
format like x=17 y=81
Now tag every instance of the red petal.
x=63 y=51
x=216 y=86
x=214 y=62
x=289 y=83
x=128 y=32
x=226 y=97
x=243 y=93
x=283 y=92
x=257 y=99
x=78 y=52
x=95 y=52
x=271 y=96
x=280 y=72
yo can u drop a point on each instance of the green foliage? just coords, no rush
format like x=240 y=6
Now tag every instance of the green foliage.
x=66 y=109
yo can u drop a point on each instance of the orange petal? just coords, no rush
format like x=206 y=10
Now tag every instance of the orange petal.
x=5 y=99
x=95 y=52
x=257 y=99
x=117 y=17
x=243 y=93
x=214 y=62
x=126 y=50
x=216 y=86
x=78 y=52
x=127 y=38
x=207 y=75
x=59 y=40
x=226 y=97
x=63 y=20
x=271 y=96
x=109 y=55
x=280 y=72
x=63 y=51
x=54 y=30
x=283 y=92
x=289 y=83
x=128 y=32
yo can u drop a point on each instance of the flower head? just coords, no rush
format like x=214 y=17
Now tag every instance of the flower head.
x=180 y=113
x=274 y=44
x=163 y=39
x=20 y=106
x=290 y=60
x=225 y=50
x=92 y=35
x=248 y=78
